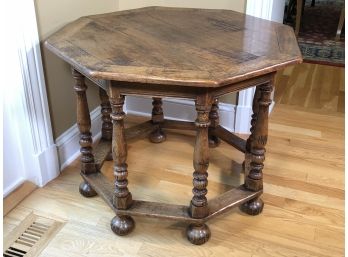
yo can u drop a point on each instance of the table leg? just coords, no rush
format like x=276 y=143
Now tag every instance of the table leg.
x=200 y=233
x=105 y=111
x=84 y=125
x=256 y=147
x=255 y=107
x=122 y=198
x=106 y=118
x=253 y=118
x=214 y=141
x=157 y=136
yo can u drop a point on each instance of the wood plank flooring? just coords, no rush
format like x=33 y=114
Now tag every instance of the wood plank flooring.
x=311 y=86
x=304 y=196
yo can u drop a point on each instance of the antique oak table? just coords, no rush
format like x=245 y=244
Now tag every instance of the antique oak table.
x=173 y=52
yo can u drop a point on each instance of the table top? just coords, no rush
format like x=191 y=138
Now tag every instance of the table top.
x=176 y=46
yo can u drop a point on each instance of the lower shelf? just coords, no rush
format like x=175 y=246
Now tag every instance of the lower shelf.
x=218 y=205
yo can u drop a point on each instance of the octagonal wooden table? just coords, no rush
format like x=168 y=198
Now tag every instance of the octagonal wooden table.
x=173 y=52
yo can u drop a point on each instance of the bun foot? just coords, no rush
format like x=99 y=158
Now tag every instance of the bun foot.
x=252 y=207
x=157 y=136
x=214 y=141
x=198 y=234
x=86 y=190
x=122 y=225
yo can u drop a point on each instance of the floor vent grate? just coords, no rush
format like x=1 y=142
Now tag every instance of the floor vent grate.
x=31 y=236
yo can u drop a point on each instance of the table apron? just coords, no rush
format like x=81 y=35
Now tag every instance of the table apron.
x=142 y=89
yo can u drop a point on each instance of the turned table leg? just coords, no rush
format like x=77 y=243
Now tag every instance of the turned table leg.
x=157 y=136
x=214 y=141
x=255 y=148
x=200 y=233
x=106 y=118
x=255 y=108
x=105 y=112
x=122 y=198
x=84 y=125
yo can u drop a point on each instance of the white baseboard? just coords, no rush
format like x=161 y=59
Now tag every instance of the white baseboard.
x=243 y=116
x=227 y=114
x=68 y=143
x=49 y=165
x=173 y=109
x=179 y=109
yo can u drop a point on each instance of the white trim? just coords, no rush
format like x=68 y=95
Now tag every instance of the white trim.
x=36 y=98
x=30 y=120
x=68 y=143
x=35 y=90
x=272 y=10
x=260 y=8
x=178 y=109
x=278 y=11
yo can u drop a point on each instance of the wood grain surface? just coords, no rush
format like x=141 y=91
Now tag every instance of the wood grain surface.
x=177 y=46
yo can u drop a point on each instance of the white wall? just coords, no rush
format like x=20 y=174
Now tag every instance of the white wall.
x=14 y=170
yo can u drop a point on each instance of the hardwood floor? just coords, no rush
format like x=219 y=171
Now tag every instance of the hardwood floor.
x=311 y=86
x=304 y=193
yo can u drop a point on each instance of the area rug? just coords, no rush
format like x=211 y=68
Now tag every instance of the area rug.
x=317 y=33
